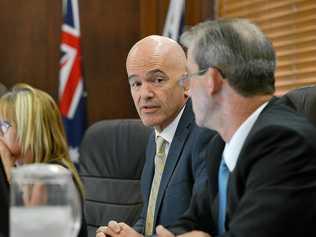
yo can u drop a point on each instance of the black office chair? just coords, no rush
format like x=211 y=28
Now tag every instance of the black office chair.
x=112 y=155
x=302 y=100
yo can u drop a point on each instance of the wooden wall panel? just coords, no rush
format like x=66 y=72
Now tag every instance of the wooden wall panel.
x=108 y=31
x=29 y=42
x=30 y=37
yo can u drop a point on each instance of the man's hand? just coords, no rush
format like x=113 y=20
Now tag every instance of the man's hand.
x=115 y=229
x=195 y=233
x=163 y=232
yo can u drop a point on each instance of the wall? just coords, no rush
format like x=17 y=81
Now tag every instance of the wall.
x=30 y=36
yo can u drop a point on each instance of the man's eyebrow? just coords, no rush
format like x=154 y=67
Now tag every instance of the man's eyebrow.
x=131 y=77
x=155 y=71
x=150 y=73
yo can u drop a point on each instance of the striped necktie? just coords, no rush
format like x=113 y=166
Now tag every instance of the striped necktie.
x=160 y=160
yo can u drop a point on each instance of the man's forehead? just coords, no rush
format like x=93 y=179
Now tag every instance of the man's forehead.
x=142 y=64
x=156 y=63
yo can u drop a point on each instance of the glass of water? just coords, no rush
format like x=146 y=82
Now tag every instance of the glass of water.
x=44 y=202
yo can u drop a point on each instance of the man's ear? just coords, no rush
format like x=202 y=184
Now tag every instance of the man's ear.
x=214 y=81
x=186 y=91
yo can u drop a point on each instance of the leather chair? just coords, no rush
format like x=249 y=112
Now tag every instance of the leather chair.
x=302 y=100
x=112 y=156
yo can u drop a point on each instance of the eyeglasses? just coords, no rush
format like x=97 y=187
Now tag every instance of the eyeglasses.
x=4 y=127
x=186 y=78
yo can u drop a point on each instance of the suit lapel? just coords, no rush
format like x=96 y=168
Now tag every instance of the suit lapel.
x=232 y=192
x=256 y=126
x=214 y=155
x=175 y=151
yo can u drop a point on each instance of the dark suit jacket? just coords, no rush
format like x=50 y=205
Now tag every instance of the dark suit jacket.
x=184 y=172
x=272 y=190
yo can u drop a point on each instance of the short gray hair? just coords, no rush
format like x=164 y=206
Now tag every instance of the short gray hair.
x=240 y=50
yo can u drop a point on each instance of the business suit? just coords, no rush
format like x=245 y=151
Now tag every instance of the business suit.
x=272 y=189
x=183 y=174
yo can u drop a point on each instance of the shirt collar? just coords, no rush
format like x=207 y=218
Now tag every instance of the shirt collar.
x=169 y=132
x=233 y=147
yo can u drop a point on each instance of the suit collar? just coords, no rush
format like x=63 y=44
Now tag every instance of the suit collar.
x=257 y=125
x=233 y=147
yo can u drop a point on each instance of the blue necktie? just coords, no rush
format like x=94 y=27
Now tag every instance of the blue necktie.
x=223 y=175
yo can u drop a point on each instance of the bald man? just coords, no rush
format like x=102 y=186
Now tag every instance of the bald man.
x=154 y=66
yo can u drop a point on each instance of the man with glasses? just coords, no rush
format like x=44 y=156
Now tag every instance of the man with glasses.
x=262 y=175
x=175 y=166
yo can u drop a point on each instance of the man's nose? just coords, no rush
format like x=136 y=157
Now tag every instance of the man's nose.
x=147 y=91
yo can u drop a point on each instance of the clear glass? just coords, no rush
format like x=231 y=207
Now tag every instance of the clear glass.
x=44 y=202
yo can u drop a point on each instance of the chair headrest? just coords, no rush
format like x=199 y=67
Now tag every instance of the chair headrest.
x=114 y=148
x=303 y=100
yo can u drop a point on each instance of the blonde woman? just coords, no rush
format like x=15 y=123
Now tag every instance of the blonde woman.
x=31 y=131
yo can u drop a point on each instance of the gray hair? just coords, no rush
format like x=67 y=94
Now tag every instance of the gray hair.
x=240 y=50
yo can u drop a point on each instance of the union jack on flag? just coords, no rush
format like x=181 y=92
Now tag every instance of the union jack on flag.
x=71 y=88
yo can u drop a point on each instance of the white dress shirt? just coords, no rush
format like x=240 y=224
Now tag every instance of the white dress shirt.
x=169 y=132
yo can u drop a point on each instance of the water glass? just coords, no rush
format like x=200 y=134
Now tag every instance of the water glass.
x=44 y=202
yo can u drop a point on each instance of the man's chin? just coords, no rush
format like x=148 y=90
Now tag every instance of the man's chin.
x=148 y=123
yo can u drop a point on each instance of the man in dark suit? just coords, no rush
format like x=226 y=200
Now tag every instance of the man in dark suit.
x=262 y=171
x=176 y=169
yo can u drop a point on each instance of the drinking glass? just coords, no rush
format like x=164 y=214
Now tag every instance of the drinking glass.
x=44 y=202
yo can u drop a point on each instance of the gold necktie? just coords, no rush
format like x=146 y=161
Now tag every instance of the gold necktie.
x=160 y=160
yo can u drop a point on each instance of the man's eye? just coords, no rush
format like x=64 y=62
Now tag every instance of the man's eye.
x=135 y=84
x=158 y=80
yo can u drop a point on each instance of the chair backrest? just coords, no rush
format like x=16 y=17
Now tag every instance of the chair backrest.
x=302 y=100
x=112 y=156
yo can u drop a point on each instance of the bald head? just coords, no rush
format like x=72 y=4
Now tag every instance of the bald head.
x=157 y=51
x=154 y=66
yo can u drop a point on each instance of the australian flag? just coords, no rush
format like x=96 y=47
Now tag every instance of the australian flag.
x=175 y=19
x=71 y=86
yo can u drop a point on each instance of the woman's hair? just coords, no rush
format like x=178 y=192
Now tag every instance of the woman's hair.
x=39 y=127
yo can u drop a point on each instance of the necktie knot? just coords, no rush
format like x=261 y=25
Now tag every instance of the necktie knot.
x=160 y=146
x=224 y=168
